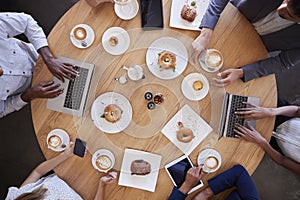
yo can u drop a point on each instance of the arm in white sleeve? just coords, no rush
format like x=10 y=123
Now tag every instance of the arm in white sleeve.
x=13 y=24
x=11 y=104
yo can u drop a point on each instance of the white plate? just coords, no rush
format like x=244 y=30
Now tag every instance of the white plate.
x=191 y=120
x=63 y=134
x=176 y=20
x=123 y=40
x=103 y=152
x=209 y=152
x=188 y=90
x=89 y=39
x=127 y=11
x=166 y=44
x=98 y=109
x=147 y=182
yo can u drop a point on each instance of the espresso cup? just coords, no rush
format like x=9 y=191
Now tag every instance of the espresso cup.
x=213 y=59
x=135 y=72
x=55 y=141
x=80 y=33
x=211 y=163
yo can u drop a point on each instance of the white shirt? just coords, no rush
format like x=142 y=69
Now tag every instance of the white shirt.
x=17 y=58
x=288 y=138
x=57 y=189
x=271 y=23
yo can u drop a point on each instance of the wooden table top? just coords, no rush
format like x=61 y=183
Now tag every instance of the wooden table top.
x=233 y=36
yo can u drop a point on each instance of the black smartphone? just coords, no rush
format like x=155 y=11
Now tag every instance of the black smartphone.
x=152 y=14
x=79 y=148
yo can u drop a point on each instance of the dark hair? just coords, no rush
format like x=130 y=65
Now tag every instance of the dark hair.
x=295 y=6
x=37 y=194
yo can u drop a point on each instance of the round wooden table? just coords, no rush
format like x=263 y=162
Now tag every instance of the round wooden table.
x=233 y=36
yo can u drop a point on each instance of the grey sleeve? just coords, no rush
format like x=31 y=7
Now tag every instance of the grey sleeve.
x=284 y=61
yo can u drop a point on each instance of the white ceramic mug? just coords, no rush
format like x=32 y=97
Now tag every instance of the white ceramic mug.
x=134 y=72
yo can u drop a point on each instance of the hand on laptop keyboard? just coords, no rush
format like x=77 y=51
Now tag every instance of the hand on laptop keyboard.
x=252 y=112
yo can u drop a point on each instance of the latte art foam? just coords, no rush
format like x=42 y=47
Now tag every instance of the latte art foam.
x=214 y=59
x=211 y=163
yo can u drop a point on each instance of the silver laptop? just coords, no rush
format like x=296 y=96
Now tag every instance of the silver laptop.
x=72 y=100
x=231 y=104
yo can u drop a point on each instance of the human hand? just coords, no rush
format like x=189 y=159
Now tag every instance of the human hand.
x=201 y=43
x=61 y=70
x=68 y=152
x=228 y=77
x=253 y=112
x=192 y=177
x=249 y=134
x=42 y=90
x=109 y=178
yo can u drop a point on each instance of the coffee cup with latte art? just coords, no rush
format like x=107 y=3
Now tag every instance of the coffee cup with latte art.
x=103 y=160
x=104 y=163
x=213 y=59
x=55 y=141
x=80 y=33
x=211 y=163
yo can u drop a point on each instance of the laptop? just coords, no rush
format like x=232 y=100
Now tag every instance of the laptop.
x=72 y=100
x=231 y=104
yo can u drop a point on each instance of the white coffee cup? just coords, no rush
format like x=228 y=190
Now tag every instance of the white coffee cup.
x=212 y=58
x=103 y=160
x=134 y=72
x=80 y=33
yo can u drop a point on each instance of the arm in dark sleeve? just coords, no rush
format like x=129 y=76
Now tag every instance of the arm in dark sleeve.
x=285 y=60
x=213 y=13
x=177 y=195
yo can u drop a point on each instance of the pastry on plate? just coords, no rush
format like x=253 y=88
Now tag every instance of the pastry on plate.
x=140 y=167
x=167 y=60
x=189 y=12
x=197 y=85
x=112 y=113
x=184 y=134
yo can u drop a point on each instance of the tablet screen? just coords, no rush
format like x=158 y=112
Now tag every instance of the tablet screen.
x=179 y=170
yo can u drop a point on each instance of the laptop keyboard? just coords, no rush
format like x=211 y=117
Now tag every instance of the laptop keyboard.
x=236 y=103
x=75 y=89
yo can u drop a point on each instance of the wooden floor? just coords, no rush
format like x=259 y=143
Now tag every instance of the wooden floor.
x=20 y=153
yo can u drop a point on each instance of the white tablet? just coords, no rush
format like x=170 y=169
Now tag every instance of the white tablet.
x=177 y=170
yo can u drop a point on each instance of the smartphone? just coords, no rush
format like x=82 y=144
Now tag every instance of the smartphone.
x=79 y=148
x=152 y=14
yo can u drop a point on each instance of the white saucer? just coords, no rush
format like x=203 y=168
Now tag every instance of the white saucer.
x=209 y=152
x=89 y=39
x=127 y=11
x=63 y=134
x=103 y=152
x=188 y=90
x=123 y=40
